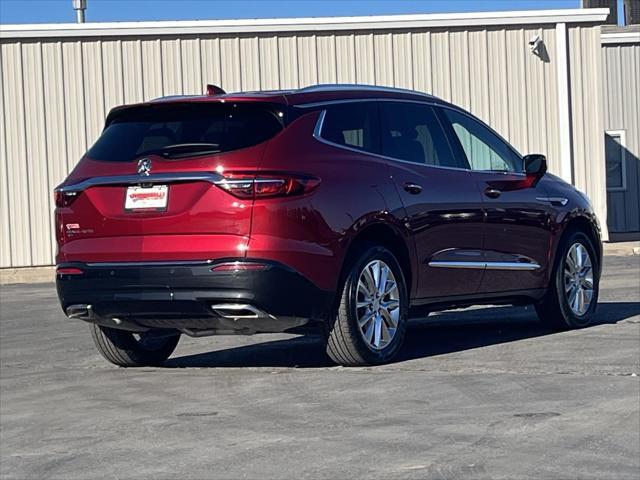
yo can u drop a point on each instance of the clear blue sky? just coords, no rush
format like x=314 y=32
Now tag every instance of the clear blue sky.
x=42 y=11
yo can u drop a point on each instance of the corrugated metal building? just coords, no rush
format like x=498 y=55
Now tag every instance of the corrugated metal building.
x=59 y=81
x=621 y=67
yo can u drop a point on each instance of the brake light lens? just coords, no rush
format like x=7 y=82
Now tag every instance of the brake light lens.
x=64 y=199
x=267 y=186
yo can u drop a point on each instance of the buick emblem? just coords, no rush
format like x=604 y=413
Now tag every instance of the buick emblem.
x=144 y=166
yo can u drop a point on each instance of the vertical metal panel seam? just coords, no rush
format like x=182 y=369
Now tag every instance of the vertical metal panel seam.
x=373 y=57
x=564 y=102
x=506 y=97
x=64 y=103
x=181 y=63
x=202 y=79
x=468 y=61
x=485 y=37
x=47 y=159
x=141 y=56
x=411 y=49
x=315 y=43
x=102 y=93
x=239 y=52
x=298 y=66
x=354 y=70
x=335 y=55
x=83 y=95
x=6 y=170
x=122 y=84
x=161 y=63
x=24 y=126
x=278 y=62
x=526 y=79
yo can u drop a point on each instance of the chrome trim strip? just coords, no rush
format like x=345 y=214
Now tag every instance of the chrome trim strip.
x=149 y=264
x=512 y=266
x=561 y=200
x=445 y=264
x=485 y=265
x=210 y=177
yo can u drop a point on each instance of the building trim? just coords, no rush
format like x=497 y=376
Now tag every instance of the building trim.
x=312 y=24
x=620 y=37
x=564 y=103
x=623 y=159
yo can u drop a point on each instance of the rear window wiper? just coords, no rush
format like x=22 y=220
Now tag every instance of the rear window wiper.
x=181 y=150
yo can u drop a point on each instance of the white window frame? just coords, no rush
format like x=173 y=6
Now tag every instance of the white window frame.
x=623 y=160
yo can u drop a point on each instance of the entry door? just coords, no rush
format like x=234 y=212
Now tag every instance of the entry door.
x=518 y=218
x=441 y=198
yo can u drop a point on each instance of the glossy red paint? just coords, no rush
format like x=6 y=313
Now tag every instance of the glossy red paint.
x=313 y=232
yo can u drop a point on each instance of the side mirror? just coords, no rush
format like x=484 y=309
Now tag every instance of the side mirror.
x=535 y=166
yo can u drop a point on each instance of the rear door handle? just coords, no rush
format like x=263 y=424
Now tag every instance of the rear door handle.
x=412 y=188
x=492 y=192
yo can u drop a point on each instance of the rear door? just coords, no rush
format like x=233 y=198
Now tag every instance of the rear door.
x=518 y=219
x=441 y=199
x=146 y=191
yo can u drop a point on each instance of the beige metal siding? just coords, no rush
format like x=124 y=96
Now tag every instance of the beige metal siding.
x=587 y=116
x=57 y=91
x=621 y=73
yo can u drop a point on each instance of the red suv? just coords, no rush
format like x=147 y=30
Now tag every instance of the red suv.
x=343 y=207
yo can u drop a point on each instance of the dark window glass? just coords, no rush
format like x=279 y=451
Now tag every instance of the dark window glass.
x=614 y=155
x=411 y=132
x=183 y=130
x=483 y=148
x=353 y=125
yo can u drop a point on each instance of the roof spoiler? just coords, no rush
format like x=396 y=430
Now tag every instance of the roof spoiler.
x=214 y=90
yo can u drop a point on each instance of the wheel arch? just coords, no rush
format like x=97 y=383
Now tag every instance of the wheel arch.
x=388 y=236
x=580 y=222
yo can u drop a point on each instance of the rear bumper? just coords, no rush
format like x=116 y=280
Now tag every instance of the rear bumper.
x=189 y=296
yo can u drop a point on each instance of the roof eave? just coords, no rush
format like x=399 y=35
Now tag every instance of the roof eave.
x=312 y=24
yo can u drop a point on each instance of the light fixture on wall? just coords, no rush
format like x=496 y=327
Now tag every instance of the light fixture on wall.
x=535 y=45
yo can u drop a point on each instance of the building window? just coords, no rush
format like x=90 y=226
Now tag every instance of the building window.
x=614 y=145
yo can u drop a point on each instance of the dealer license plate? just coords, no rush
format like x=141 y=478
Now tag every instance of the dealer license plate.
x=147 y=198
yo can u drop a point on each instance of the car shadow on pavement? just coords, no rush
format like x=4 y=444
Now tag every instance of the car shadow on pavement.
x=441 y=333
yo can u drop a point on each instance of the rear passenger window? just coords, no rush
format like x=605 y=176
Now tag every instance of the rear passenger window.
x=353 y=125
x=412 y=132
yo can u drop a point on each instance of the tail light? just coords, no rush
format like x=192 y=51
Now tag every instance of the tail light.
x=267 y=186
x=64 y=199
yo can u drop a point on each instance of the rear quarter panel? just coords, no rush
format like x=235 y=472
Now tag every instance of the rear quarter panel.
x=312 y=233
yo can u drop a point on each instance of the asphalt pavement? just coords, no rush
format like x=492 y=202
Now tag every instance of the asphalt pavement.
x=480 y=393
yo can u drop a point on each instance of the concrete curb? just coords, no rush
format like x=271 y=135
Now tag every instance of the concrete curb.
x=622 y=248
x=27 y=275
x=47 y=274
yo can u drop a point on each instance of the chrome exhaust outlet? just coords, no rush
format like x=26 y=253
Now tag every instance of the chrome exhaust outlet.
x=239 y=311
x=80 y=311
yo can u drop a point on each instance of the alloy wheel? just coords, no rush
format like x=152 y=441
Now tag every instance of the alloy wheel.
x=377 y=305
x=578 y=279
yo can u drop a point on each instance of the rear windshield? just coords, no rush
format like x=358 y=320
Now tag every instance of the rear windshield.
x=186 y=130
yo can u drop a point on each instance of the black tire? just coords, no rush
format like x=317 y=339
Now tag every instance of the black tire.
x=346 y=344
x=122 y=348
x=554 y=309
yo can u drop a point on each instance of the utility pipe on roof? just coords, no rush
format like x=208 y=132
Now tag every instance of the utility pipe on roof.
x=79 y=6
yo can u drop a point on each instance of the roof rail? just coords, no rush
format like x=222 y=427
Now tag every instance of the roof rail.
x=329 y=87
